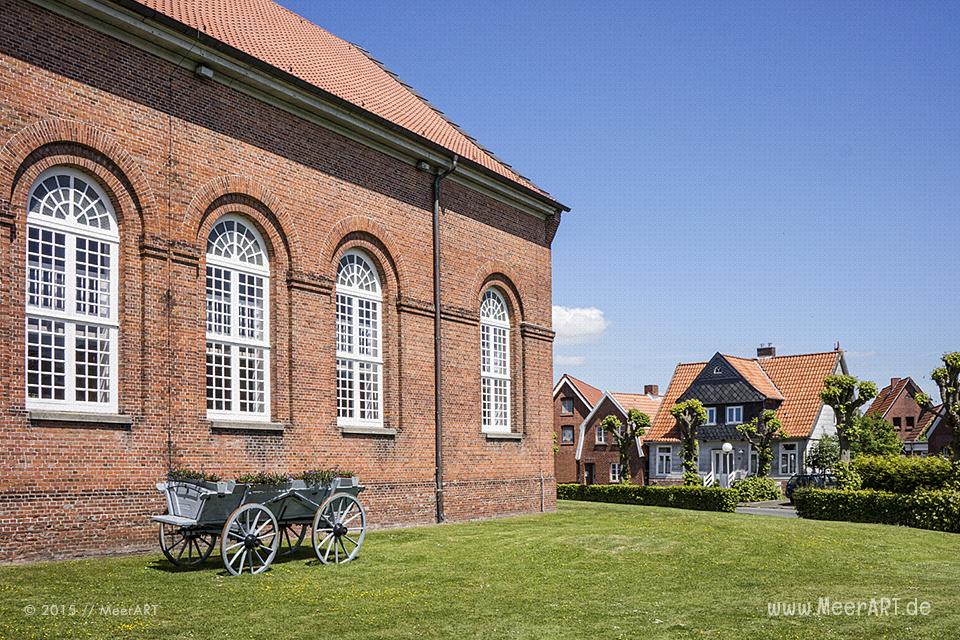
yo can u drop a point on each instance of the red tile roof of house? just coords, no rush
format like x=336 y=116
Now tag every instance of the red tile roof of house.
x=590 y=393
x=887 y=396
x=269 y=32
x=641 y=401
x=924 y=422
x=753 y=373
x=799 y=378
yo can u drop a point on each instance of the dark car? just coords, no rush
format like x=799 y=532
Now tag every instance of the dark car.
x=817 y=480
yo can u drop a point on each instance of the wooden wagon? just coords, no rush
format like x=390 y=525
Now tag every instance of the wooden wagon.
x=256 y=523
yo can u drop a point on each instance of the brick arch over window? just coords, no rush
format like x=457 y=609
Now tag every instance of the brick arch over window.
x=247 y=192
x=260 y=217
x=368 y=235
x=495 y=274
x=48 y=143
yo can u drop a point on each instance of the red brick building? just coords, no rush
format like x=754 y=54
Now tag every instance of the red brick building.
x=919 y=429
x=218 y=253
x=586 y=453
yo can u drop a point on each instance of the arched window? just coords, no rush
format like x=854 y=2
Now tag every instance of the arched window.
x=359 y=352
x=238 y=322
x=494 y=362
x=71 y=305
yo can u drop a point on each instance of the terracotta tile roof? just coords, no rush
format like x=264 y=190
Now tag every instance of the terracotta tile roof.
x=754 y=374
x=798 y=378
x=887 y=396
x=924 y=422
x=663 y=423
x=292 y=44
x=590 y=393
x=645 y=403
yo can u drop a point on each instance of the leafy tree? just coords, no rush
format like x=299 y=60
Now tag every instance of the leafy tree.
x=946 y=379
x=637 y=424
x=874 y=436
x=690 y=415
x=845 y=395
x=824 y=455
x=760 y=432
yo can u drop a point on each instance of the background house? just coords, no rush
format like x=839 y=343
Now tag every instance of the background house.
x=736 y=390
x=919 y=429
x=586 y=452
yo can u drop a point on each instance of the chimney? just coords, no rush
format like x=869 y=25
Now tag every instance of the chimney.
x=651 y=389
x=766 y=351
x=894 y=381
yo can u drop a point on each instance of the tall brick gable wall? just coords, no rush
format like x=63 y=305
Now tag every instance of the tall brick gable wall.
x=174 y=152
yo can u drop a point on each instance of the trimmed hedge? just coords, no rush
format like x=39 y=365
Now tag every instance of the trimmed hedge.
x=925 y=509
x=757 y=489
x=903 y=474
x=699 y=498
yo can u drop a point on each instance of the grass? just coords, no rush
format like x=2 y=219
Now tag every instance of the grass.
x=589 y=570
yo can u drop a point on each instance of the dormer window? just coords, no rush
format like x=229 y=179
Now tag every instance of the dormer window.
x=711 y=416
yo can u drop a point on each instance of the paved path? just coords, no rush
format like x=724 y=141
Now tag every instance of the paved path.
x=775 y=508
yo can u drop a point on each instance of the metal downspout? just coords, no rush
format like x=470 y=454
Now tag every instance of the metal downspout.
x=438 y=177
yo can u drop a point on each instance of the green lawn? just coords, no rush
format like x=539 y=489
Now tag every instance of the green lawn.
x=589 y=570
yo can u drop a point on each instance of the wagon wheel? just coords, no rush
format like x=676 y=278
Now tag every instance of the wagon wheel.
x=250 y=539
x=184 y=547
x=291 y=537
x=338 y=529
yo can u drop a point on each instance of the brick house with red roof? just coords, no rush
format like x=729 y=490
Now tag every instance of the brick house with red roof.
x=918 y=428
x=585 y=452
x=219 y=253
x=735 y=390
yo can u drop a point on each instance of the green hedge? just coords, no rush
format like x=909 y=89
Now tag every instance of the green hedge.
x=903 y=474
x=757 y=489
x=924 y=509
x=700 y=498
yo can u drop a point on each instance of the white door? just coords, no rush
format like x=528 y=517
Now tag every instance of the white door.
x=722 y=466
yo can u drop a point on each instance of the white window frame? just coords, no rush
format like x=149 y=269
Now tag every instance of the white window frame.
x=601 y=435
x=711 y=421
x=376 y=298
x=492 y=324
x=729 y=420
x=615 y=472
x=573 y=434
x=234 y=341
x=72 y=231
x=786 y=450
x=664 y=460
x=563 y=406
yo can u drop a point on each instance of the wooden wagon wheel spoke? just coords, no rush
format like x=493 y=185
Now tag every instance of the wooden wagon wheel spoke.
x=330 y=529
x=186 y=547
x=291 y=537
x=252 y=535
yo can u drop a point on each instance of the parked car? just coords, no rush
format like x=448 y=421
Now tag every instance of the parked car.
x=817 y=480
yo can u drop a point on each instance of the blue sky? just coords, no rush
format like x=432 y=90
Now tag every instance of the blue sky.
x=738 y=172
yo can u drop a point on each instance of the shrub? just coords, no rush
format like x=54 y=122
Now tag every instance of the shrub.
x=322 y=477
x=902 y=474
x=191 y=475
x=847 y=477
x=938 y=510
x=757 y=489
x=681 y=497
x=265 y=479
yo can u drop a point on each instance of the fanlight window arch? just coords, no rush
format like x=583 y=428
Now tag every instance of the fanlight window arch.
x=71 y=294
x=238 y=322
x=495 y=375
x=359 y=342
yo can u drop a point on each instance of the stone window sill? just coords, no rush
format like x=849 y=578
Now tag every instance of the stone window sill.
x=108 y=420
x=366 y=430
x=494 y=435
x=246 y=425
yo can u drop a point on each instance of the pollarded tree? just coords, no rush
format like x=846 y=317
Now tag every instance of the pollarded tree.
x=845 y=395
x=946 y=378
x=690 y=415
x=761 y=432
x=637 y=424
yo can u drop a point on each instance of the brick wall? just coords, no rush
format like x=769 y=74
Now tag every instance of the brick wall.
x=565 y=458
x=603 y=455
x=174 y=152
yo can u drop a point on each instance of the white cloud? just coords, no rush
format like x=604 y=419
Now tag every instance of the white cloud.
x=568 y=361
x=578 y=325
